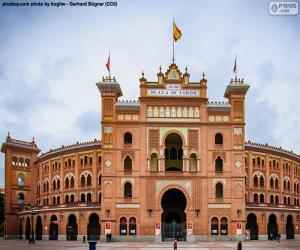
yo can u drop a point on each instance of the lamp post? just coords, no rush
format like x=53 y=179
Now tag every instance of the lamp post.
x=33 y=213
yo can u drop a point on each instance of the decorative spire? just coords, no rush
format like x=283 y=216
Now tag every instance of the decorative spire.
x=143 y=74
x=159 y=68
x=186 y=69
x=8 y=136
x=203 y=75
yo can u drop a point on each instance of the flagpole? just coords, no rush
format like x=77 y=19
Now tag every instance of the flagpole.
x=173 y=59
x=109 y=66
x=235 y=66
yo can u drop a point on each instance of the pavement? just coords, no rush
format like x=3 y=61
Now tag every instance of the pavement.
x=77 y=245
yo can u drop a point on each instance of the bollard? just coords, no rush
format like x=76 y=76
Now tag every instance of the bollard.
x=92 y=245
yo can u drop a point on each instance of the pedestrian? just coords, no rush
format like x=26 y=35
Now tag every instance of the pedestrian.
x=84 y=238
x=110 y=237
x=107 y=237
x=239 y=246
x=175 y=244
x=278 y=238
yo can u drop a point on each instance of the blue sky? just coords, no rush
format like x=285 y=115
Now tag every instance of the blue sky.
x=52 y=57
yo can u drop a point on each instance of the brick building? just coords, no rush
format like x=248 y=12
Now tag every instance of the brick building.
x=170 y=165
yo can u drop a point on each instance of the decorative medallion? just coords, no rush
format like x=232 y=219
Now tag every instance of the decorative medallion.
x=238 y=164
x=108 y=163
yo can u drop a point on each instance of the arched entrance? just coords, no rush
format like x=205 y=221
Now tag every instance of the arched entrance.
x=39 y=228
x=20 y=229
x=53 y=229
x=27 y=229
x=93 y=230
x=289 y=228
x=173 y=217
x=173 y=152
x=72 y=228
x=252 y=226
x=272 y=227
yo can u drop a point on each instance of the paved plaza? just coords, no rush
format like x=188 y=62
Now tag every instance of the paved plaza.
x=76 y=245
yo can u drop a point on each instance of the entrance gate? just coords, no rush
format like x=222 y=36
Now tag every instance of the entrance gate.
x=173 y=217
x=173 y=231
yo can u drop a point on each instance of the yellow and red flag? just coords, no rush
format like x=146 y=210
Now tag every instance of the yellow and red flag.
x=176 y=32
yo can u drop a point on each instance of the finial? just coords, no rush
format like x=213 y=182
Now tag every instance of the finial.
x=142 y=73
x=159 y=68
x=8 y=135
x=203 y=75
x=186 y=69
x=33 y=139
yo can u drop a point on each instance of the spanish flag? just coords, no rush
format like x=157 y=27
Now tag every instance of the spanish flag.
x=176 y=32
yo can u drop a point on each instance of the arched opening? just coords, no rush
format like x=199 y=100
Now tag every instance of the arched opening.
x=289 y=227
x=89 y=180
x=272 y=183
x=82 y=180
x=53 y=228
x=154 y=162
x=261 y=198
x=219 y=190
x=272 y=227
x=224 y=226
x=72 y=198
x=27 y=229
x=132 y=226
x=272 y=199
x=193 y=163
x=214 y=226
x=123 y=226
x=276 y=183
x=20 y=229
x=72 y=228
x=93 y=230
x=173 y=144
x=127 y=190
x=82 y=197
x=67 y=183
x=255 y=181
x=128 y=138
x=127 y=164
x=39 y=228
x=89 y=198
x=219 y=164
x=261 y=181
x=255 y=198
x=173 y=217
x=252 y=226
x=67 y=198
x=21 y=180
x=72 y=182
x=218 y=139
x=21 y=199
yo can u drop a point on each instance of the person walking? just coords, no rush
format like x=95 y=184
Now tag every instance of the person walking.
x=239 y=246
x=175 y=244
x=83 y=239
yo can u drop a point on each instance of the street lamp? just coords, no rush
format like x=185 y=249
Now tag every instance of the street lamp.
x=33 y=213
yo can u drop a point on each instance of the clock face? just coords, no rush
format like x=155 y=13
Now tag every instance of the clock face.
x=108 y=163
x=173 y=75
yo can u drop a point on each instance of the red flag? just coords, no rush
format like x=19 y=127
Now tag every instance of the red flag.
x=234 y=67
x=108 y=63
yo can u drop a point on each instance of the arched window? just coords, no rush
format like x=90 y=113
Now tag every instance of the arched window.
x=254 y=162
x=261 y=198
x=214 y=226
x=127 y=164
x=255 y=181
x=272 y=199
x=218 y=139
x=82 y=180
x=99 y=197
x=58 y=184
x=69 y=162
x=255 y=197
x=258 y=160
x=15 y=161
x=82 y=197
x=89 y=197
x=219 y=190
x=89 y=180
x=271 y=182
x=58 y=200
x=224 y=226
x=123 y=226
x=276 y=183
x=21 y=180
x=99 y=179
x=85 y=160
x=53 y=200
x=284 y=200
x=21 y=198
x=72 y=182
x=128 y=138
x=132 y=226
x=54 y=184
x=127 y=190
x=72 y=198
x=276 y=199
x=67 y=199
x=219 y=164
x=67 y=183
x=193 y=162
x=154 y=162
x=27 y=162
x=261 y=181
